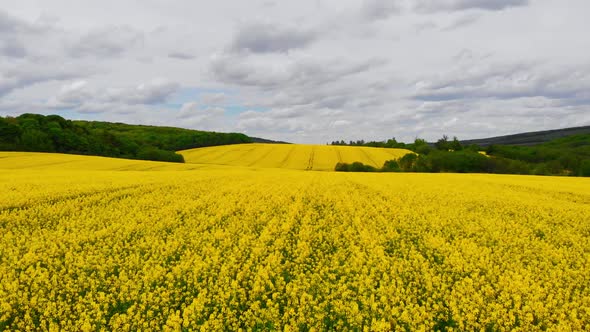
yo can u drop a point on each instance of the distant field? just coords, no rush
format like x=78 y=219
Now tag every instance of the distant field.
x=44 y=161
x=291 y=156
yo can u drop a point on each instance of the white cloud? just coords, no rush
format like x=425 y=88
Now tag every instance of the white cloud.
x=380 y=9
x=21 y=74
x=265 y=37
x=181 y=55
x=450 y=5
x=110 y=41
x=194 y=109
x=197 y=115
x=82 y=97
x=217 y=98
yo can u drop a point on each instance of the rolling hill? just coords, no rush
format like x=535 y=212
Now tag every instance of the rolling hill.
x=52 y=133
x=41 y=161
x=291 y=156
x=529 y=138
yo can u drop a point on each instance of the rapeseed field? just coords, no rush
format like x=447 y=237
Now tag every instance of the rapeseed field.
x=98 y=244
x=290 y=156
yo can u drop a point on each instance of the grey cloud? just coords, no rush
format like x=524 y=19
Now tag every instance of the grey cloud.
x=259 y=37
x=380 y=9
x=268 y=4
x=181 y=56
x=110 y=41
x=484 y=117
x=11 y=47
x=304 y=94
x=269 y=72
x=12 y=25
x=195 y=110
x=28 y=56
x=82 y=97
x=218 y=98
x=93 y=107
x=463 y=22
x=456 y=5
x=291 y=125
x=384 y=9
x=514 y=81
x=194 y=114
x=71 y=95
x=313 y=73
x=265 y=121
x=494 y=117
x=232 y=69
x=298 y=89
x=424 y=26
x=13 y=34
x=154 y=92
x=23 y=75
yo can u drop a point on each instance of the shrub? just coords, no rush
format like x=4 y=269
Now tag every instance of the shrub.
x=391 y=166
x=354 y=167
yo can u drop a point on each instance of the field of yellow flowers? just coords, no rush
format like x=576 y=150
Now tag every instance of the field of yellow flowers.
x=291 y=156
x=96 y=244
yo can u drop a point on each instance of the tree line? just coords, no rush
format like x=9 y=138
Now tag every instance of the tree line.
x=568 y=156
x=52 y=133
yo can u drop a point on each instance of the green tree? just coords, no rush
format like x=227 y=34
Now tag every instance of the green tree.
x=407 y=163
x=391 y=166
x=585 y=168
x=443 y=144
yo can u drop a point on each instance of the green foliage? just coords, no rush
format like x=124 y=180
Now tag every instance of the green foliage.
x=341 y=167
x=457 y=161
x=391 y=166
x=390 y=143
x=354 y=167
x=152 y=153
x=52 y=133
x=563 y=156
x=443 y=144
x=584 y=168
x=9 y=134
x=408 y=162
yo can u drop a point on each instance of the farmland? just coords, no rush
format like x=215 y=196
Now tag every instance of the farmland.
x=290 y=156
x=92 y=243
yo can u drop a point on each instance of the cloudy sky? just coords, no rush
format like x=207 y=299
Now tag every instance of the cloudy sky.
x=308 y=71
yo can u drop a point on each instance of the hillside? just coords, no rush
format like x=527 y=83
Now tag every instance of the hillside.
x=529 y=138
x=264 y=140
x=291 y=156
x=41 y=161
x=39 y=133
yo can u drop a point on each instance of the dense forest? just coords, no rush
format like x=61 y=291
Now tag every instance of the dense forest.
x=529 y=138
x=52 y=133
x=566 y=156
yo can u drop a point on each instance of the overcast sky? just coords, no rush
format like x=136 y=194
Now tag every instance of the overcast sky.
x=302 y=71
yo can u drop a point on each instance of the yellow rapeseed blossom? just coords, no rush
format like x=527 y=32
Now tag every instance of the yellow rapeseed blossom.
x=291 y=156
x=97 y=244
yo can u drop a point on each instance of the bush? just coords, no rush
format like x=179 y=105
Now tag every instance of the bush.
x=460 y=162
x=360 y=167
x=407 y=163
x=585 y=168
x=159 y=155
x=341 y=167
x=354 y=167
x=391 y=166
